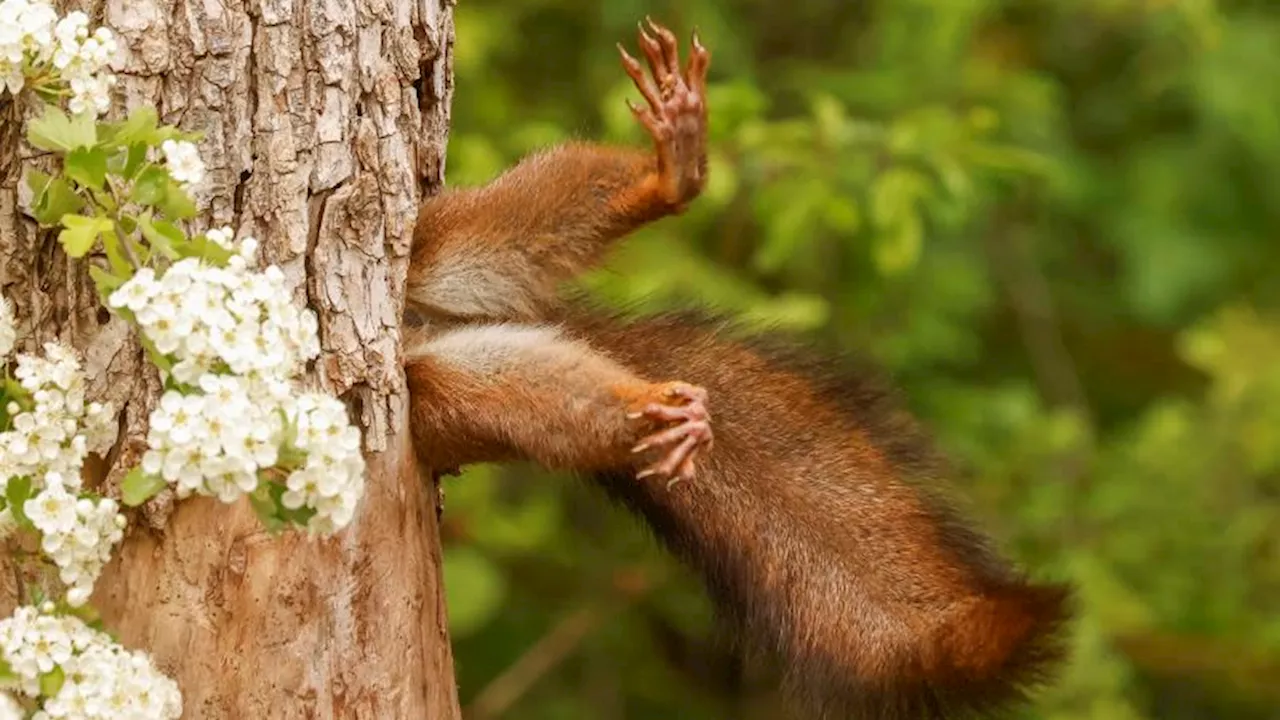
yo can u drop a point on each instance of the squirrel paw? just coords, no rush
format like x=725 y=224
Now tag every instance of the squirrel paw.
x=686 y=406
x=676 y=116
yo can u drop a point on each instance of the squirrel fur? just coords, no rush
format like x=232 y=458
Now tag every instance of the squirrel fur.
x=808 y=503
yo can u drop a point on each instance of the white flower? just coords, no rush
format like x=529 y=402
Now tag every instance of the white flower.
x=51 y=433
x=223 y=237
x=53 y=511
x=184 y=161
x=137 y=292
x=248 y=249
x=81 y=553
x=34 y=40
x=332 y=480
x=78 y=596
x=58 y=429
x=102 y=679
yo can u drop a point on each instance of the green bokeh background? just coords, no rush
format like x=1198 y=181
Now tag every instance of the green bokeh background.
x=1053 y=221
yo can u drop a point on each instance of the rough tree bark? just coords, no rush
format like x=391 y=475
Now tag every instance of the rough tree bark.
x=324 y=121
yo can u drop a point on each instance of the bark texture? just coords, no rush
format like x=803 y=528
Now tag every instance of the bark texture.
x=324 y=122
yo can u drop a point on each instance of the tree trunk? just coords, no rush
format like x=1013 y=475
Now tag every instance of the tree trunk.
x=324 y=121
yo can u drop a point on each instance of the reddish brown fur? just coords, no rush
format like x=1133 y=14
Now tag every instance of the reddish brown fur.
x=598 y=193
x=820 y=536
x=813 y=521
x=488 y=393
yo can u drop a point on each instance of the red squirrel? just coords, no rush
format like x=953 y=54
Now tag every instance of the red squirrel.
x=805 y=504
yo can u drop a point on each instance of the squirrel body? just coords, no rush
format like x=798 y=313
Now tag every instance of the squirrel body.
x=806 y=504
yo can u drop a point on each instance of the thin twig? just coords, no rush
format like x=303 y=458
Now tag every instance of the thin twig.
x=503 y=691
x=1038 y=324
x=128 y=248
x=1031 y=300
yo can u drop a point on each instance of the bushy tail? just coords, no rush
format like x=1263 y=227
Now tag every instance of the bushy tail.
x=995 y=645
x=980 y=659
x=824 y=543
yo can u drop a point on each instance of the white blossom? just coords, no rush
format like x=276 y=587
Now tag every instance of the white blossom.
x=59 y=428
x=80 y=541
x=46 y=444
x=203 y=316
x=102 y=679
x=223 y=237
x=216 y=441
x=331 y=482
x=184 y=161
x=34 y=41
x=236 y=341
x=53 y=510
x=26 y=33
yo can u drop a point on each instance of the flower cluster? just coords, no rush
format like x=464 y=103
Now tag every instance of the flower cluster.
x=78 y=535
x=8 y=333
x=81 y=60
x=214 y=442
x=35 y=43
x=207 y=317
x=26 y=36
x=60 y=428
x=235 y=340
x=184 y=161
x=332 y=480
x=100 y=679
x=46 y=447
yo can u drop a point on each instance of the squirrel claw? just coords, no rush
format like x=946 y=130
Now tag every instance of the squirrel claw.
x=684 y=440
x=676 y=113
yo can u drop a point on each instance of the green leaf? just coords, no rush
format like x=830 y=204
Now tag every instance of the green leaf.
x=206 y=249
x=475 y=590
x=150 y=187
x=139 y=487
x=140 y=126
x=164 y=237
x=58 y=199
x=51 y=682
x=6 y=671
x=177 y=204
x=54 y=131
x=17 y=492
x=265 y=506
x=14 y=391
x=134 y=159
x=87 y=166
x=111 y=243
x=154 y=187
x=298 y=517
x=38 y=181
x=81 y=233
x=898 y=248
x=106 y=282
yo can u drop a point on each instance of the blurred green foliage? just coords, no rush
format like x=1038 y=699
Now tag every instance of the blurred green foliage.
x=1052 y=220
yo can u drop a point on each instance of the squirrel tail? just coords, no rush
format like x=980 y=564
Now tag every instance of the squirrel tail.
x=823 y=542
x=983 y=655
